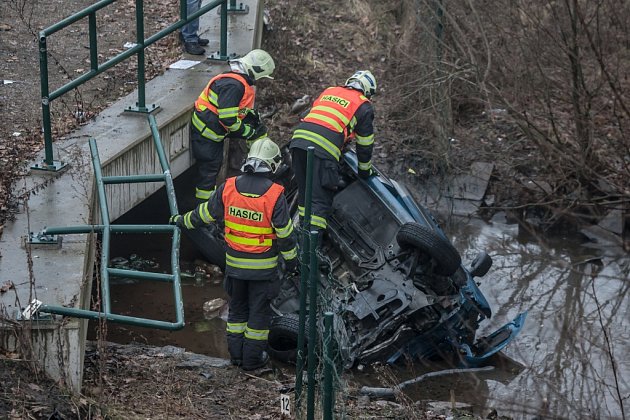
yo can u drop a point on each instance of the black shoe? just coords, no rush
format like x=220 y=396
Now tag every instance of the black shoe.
x=193 y=48
x=236 y=362
x=264 y=358
x=201 y=41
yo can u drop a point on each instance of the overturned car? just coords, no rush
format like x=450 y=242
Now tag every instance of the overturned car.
x=390 y=275
x=393 y=280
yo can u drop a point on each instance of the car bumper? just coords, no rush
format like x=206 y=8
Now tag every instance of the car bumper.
x=487 y=346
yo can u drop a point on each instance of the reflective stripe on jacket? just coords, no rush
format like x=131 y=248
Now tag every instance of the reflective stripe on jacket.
x=208 y=99
x=335 y=109
x=248 y=225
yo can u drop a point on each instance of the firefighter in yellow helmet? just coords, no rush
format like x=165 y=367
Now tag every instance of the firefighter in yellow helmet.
x=225 y=108
x=258 y=229
x=338 y=115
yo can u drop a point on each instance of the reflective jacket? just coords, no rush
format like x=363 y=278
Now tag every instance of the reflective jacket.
x=258 y=226
x=338 y=115
x=335 y=110
x=248 y=226
x=215 y=113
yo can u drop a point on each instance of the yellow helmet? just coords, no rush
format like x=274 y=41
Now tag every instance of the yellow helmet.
x=257 y=64
x=364 y=81
x=264 y=156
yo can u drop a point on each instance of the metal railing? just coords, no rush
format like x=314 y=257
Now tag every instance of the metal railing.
x=96 y=68
x=106 y=230
x=309 y=288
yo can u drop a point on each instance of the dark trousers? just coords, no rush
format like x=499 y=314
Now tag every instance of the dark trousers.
x=209 y=156
x=249 y=317
x=325 y=184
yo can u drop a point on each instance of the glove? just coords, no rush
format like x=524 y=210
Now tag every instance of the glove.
x=177 y=220
x=366 y=173
x=291 y=266
x=260 y=131
x=252 y=118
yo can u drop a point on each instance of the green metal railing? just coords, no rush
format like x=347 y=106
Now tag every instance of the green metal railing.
x=106 y=230
x=309 y=282
x=304 y=273
x=328 y=395
x=96 y=68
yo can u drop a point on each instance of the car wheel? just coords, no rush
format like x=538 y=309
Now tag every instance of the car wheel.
x=440 y=249
x=283 y=337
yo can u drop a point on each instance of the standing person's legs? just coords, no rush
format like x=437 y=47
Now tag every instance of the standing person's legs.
x=298 y=164
x=325 y=184
x=189 y=31
x=238 y=313
x=189 y=35
x=261 y=292
x=209 y=156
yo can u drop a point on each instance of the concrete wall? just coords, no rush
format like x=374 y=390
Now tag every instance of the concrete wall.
x=141 y=157
x=62 y=276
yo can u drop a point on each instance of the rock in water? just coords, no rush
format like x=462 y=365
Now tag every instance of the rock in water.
x=211 y=308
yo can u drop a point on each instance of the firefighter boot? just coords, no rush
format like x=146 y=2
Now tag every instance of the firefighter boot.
x=235 y=348
x=254 y=354
x=263 y=359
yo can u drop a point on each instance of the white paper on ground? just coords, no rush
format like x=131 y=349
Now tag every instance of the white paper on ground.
x=183 y=64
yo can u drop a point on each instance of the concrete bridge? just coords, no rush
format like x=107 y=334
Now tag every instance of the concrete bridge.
x=62 y=275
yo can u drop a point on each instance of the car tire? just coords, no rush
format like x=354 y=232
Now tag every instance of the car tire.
x=282 y=342
x=444 y=254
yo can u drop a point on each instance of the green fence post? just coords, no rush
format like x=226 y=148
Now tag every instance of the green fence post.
x=304 y=270
x=93 y=41
x=48 y=164
x=223 y=44
x=328 y=396
x=222 y=54
x=240 y=9
x=183 y=9
x=312 y=324
x=106 y=232
x=140 y=41
x=141 y=106
x=168 y=178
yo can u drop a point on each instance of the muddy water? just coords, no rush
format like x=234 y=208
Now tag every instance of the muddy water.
x=154 y=300
x=575 y=347
x=572 y=359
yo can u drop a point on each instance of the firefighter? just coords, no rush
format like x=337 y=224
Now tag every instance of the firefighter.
x=339 y=114
x=258 y=228
x=225 y=108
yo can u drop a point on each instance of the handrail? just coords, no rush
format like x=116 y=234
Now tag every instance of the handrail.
x=96 y=68
x=106 y=229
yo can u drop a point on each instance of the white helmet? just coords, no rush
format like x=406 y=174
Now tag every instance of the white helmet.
x=364 y=81
x=264 y=156
x=257 y=64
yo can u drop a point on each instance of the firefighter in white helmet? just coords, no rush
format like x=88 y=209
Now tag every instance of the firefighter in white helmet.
x=225 y=108
x=338 y=115
x=258 y=229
